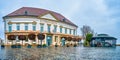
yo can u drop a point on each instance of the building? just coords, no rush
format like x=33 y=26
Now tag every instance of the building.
x=1 y=41
x=103 y=40
x=23 y=26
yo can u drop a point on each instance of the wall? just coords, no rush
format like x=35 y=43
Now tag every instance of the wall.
x=44 y=21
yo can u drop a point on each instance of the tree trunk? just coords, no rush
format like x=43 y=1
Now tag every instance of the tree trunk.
x=41 y=43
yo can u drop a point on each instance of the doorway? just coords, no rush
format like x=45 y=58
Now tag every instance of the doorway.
x=63 y=41
x=49 y=40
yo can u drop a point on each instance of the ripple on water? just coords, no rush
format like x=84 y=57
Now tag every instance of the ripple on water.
x=61 y=53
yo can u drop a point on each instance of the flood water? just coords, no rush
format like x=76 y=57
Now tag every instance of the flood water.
x=60 y=53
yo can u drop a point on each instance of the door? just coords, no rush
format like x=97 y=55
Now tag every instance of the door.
x=49 y=40
x=63 y=41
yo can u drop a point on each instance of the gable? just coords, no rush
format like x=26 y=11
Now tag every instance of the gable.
x=48 y=16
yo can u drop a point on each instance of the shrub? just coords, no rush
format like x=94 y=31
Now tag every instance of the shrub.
x=44 y=45
x=88 y=39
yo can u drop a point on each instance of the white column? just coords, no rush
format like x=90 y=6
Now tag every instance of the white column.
x=58 y=28
x=45 y=27
x=51 y=28
x=63 y=30
x=6 y=40
x=22 y=26
x=13 y=27
x=59 y=43
x=53 y=40
x=37 y=25
x=36 y=38
x=29 y=26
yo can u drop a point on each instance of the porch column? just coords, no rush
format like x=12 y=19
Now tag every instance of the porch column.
x=29 y=41
x=6 y=40
x=53 y=40
x=58 y=41
x=37 y=41
x=23 y=42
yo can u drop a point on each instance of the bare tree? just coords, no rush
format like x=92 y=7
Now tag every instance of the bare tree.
x=85 y=30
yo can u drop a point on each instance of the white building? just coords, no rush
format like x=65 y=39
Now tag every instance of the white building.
x=1 y=41
x=28 y=20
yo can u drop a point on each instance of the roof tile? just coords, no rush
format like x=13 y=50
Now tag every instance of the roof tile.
x=37 y=12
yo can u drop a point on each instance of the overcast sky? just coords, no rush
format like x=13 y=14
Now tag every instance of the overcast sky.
x=102 y=15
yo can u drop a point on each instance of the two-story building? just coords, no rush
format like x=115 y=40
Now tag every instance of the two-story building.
x=23 y=25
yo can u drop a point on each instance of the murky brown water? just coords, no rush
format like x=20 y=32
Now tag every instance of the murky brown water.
x=60 y=53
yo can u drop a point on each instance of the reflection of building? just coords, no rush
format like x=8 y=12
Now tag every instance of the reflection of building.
x=103 y=40
x=23 y=25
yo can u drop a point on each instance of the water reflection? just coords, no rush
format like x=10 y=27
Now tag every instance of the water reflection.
x=60 y=53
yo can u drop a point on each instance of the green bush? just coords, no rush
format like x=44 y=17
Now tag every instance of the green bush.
x=86 y=44
x=88 y=39
x=44 y=45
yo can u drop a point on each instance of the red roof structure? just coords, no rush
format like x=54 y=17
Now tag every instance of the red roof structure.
x=30 y=11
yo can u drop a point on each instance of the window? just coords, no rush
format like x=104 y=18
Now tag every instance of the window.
x=70 y=31
x=41 y=27
x=18 y=26
x=74 y=31
x=60 y=29
x=49 y=28
x=34 y=27
x=10 y=27
x=55 y=29
x=26 y=26
x=65 y=30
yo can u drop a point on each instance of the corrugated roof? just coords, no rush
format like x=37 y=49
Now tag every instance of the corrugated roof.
x=30 y=11
x=104 y=36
